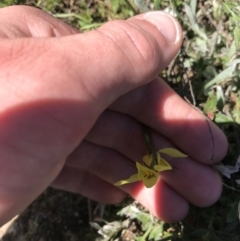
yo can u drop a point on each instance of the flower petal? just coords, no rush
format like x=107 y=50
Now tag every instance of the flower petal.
x=151 y=181
x=162 y=166
x=172 y=152
x=147 y=160
x=133 y=178
x=141 y=167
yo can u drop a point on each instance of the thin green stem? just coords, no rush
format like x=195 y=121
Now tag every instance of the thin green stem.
x=131 y=7
x=211 y=134
x=150 y=145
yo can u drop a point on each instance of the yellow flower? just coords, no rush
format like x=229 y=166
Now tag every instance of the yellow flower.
x=148 y=173
x=161 y=165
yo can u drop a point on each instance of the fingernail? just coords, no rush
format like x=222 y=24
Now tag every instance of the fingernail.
x=166 y=24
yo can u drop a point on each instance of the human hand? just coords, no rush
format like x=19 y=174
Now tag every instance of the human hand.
x=71 y=112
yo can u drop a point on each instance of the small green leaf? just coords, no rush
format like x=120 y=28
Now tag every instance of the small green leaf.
x=211 y=105
x=236 y=33
x=236 y=111
x=221 y=118
x=145 y=219
x=227 y=73
x=156 y=232
x=142 y=5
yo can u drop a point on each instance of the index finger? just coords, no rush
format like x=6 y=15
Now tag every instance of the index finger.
x=159 y=107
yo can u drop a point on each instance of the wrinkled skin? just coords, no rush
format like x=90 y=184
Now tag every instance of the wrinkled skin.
x=72 y=105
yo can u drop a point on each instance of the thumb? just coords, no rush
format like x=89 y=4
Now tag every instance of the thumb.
x=91 y=69
x=122 y=55
x=98 y=66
